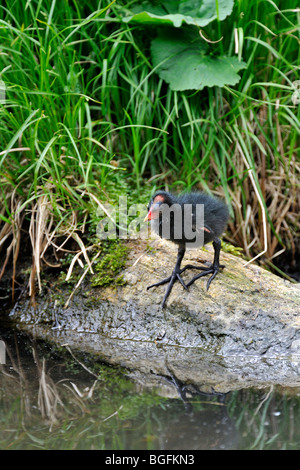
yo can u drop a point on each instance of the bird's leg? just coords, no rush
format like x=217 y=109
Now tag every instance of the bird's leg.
x=174 y=276
x=213 y=269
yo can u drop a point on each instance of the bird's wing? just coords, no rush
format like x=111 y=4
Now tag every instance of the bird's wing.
x=195 y=228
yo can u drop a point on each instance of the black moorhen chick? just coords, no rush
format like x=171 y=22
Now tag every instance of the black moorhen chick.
x=177 y=218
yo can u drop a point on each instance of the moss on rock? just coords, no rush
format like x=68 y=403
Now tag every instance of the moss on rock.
x=112 y=262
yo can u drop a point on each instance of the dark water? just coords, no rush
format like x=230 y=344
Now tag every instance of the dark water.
x=52 y=399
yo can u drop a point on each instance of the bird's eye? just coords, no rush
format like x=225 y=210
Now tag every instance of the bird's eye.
x=156 y=205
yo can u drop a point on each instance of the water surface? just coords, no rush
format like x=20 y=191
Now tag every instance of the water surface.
x=51 y=398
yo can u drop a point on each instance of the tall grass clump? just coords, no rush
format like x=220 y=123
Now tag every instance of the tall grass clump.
x=241 y=142
x=55 y=139
x=85 y=111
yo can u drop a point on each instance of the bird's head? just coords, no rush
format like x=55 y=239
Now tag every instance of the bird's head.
x=159 y=198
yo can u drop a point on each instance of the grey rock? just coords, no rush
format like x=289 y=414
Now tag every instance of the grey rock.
x=245 y=331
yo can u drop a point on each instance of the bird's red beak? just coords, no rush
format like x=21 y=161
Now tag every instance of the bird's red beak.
x=149 y=216
x=154 y=209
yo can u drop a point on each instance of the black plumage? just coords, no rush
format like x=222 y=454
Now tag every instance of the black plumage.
x=191 y=219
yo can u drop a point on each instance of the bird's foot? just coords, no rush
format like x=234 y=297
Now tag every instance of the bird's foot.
x=213 y=270
x=171 y=280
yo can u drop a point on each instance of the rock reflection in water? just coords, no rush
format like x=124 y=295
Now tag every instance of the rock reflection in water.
x=51 y=399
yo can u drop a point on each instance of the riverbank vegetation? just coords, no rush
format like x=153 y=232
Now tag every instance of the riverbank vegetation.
x=88 y=112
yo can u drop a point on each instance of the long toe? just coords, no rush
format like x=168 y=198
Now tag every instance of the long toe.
x=212 y=270
x=191 y=266
x=211 y=279
x=204 y=273
x=160 y=283
x=172 y=279
x=181 y=281
x=169 y=288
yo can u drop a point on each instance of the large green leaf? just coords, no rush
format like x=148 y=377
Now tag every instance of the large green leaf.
x=171 y=12
x=183 y=62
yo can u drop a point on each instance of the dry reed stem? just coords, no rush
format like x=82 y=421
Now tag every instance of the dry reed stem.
x=19 y=149
x=39 y=226
x=77 y=258
x=83 y=251
x=48 y=396
x=12 y=230
x=17 y=225
x=261 y=205
x=80 y=280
